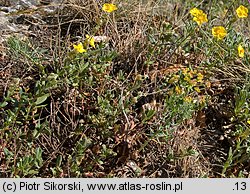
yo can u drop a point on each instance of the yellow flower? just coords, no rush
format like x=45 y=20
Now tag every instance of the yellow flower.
x=241 y=51
x=187 y=79
x=199 y=16
x=219 y=32
x=199 y=77
x=200 y=19
x=188 y=99
x=195 y=12
x=248 y=122
x=79 y=48
x=91 y=41
x=175 y=78
x=185 y=71
x=197 y=89
x=109 y=7
x=242 y=11
x=178 y=90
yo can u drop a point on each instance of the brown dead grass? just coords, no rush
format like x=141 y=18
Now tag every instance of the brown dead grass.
x=128 y=36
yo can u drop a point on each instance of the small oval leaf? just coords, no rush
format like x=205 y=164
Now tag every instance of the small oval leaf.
x=41 y=99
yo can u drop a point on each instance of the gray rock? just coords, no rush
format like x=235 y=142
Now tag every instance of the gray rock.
x=25 y=3
x=13 y=23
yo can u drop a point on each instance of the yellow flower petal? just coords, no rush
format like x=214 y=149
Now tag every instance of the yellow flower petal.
x=200 y=19
x=109 y=7
x=197 y=89
x=91 y=41
x=199 y=77
x=241 y=51
x=188 y=99
x=242 y=11
x=195 y=12
x=79 y=48
x=219 y=32
x=178 y=90
x=187 y=79
x=175 y=78
x=185 y=71
x=199 y=16
x=248 y=122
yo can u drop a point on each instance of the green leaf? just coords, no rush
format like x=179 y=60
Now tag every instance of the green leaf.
x=7 y=152
x=228 y=162
x=38 y=153
x=36 y=133
x=59 y=161
x=32 y=172
x=41 y=99
x=149 y=115
x=2 y=105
